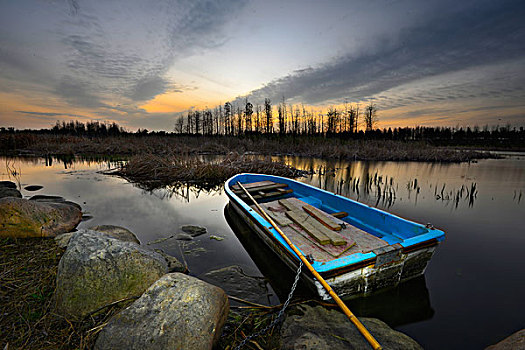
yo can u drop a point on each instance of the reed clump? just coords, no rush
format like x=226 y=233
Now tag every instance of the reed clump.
x=27 y=143
x=153 y=171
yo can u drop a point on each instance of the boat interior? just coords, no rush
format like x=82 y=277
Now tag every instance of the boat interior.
x=318 y=231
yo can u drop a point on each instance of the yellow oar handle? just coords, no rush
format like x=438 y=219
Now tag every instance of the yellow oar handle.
x=325 y=285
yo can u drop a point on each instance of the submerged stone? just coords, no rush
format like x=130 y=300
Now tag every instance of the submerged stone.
x=32 y=188
x=174 y=265
x=183 y=237
x=193 y=230
x=238 y=284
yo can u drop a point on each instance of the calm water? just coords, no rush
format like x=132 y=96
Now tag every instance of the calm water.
x=471 y=295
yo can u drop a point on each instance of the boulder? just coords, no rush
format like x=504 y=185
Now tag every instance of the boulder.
x=514 y=341
x=8 y=189
x=24 y=218
x=97 y=270
x=53 y=199
x=176 y=312
x=307 y=327
x=8 y=184
x=116 y=232
x=62 y=240
x=193 y=230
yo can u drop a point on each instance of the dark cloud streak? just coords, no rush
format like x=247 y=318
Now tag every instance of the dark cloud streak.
x=473 y=37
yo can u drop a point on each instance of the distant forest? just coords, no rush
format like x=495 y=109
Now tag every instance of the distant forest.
x=347 y=123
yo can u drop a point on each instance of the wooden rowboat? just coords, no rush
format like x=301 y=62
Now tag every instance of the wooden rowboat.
x=356 y=248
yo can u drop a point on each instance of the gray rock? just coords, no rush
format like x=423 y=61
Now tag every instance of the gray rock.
x=176 y=312
x=307 y=327
x=24 y=218
x=193 y=230
x=53 y=199
x=47 y=198
x=512 y=342
x=174 y=265
x=236 y=283
x=9 y=192
x=7 y=184
x=62 y=240
x=32 y=188
x=97 y=270
x=116 y=232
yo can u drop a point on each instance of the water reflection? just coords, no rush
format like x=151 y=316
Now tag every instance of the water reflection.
x=383 y=184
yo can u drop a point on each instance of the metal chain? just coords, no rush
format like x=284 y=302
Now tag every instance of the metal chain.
x=279 y=315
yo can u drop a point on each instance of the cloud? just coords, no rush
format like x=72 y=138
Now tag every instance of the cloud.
x=91 y=52
x=478 y=36
x=51 y=114
x=130 y=54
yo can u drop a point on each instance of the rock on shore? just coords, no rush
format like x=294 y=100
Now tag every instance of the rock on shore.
x=307 y=327
x=8 y=189
x=97 y=270
x=176 y=312
x=26 y=218
x=512 y=342
x=117 y=232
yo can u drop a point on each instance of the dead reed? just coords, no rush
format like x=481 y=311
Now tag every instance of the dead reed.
x=153 y=171
x=308 y=146
x=28 y=269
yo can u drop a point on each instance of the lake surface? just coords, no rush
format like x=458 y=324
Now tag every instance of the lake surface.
x=472 y=292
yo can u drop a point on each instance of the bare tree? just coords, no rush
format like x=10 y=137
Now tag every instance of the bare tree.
x=179 y=125
x=258 y=119
x=370 y=117
x=268 y=113
x=248 y=112
x=227 y=118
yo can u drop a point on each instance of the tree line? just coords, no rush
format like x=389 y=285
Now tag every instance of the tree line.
x=246 y=119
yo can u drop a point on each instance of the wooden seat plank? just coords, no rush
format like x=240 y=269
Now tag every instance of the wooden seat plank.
x=252 y=184
x=264 y=186
x=364 y=241
x=324 y=218
x=296 y=205
x=335 y=238
x=279 y=218
x=301 y=220
x=290 y=205
x=263 y=195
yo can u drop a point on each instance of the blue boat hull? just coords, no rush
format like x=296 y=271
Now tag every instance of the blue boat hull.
x=409 y=245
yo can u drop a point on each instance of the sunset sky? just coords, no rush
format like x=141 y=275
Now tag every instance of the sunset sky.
x=140 y=63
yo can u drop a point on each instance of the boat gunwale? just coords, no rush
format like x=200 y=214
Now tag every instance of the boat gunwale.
x=340 y=265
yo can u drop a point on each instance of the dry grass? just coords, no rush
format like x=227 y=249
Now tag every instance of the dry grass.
x=153 y=171
x=28 y=269
x=308 y=146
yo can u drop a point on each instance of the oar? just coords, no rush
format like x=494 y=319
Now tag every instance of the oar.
x=369 y=337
